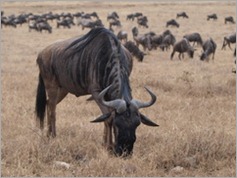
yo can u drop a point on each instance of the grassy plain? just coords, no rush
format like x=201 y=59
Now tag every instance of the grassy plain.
x=195 y=108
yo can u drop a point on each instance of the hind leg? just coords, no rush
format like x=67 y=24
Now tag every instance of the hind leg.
x=55 y=95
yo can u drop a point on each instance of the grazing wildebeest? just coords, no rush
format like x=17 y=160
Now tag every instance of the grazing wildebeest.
x=88 y=23
x=144 y=40
x=183 y=46
x=172 y=22
x=212 y=16
x=63 y=23
x=209 y=47
x=130 y=17
x=142 y=21
x=195 y=38
x=229 y=39
x=134 y=50
x=44 y=26
x=122 y=35
x=229 y=19
x=182 y=14
x=95 y=64
x=168 y=40
x=112 y=16
x=114 y=23
x=32 y=25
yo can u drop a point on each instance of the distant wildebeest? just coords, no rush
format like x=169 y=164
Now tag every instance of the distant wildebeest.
x=134 y=50
x=32 y=25
x=95 y=64
x=212 y=16
x=63 y=23
x=44 y=26
x=144 y=40
x=114 y=23
x=183 y=46
x=195 y=38
x=88 y=23
x=130 y=17
x=229 y=19
x=182 y=14
x=209 y=47
x=122 y=35
x=234 y=70
x=172 y=22
x=228 y=40
x=168 y=40
x=112 y=16
x=142 y=21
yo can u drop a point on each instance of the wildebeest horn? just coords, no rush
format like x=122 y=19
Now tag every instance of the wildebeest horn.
x=118 y=104
x=147 y=121
x=138 y=104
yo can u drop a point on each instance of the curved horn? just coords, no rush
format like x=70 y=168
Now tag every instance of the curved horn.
x=118 y=104
x=138 y=104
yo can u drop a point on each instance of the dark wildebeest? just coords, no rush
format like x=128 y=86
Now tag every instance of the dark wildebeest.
x=142 y=21
x=134 y=50
x=229 y=19
x=95 y=64
x=229 y=39
x=183 y=46
x=114 y=23
x=144 y=40
x=122 y=35
x=112 y=16
x=63 y=23
x=44 y=26
x=88 y=23
x=195 y=38
x=172 y=22
x=32 y=25
x=209 y=47
x=182 y=14
x=168 y=40
x=212 y=16
x=130 y=17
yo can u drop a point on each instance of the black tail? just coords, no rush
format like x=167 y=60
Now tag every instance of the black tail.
x=40 y=104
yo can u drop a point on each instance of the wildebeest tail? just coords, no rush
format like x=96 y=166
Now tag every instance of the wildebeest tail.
x=40 y=104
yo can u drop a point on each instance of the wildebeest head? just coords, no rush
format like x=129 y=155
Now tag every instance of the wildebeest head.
x=126 y=119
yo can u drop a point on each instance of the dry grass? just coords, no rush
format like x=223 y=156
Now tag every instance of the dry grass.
x=195 y=107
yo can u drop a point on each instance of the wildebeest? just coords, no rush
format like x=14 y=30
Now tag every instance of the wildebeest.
x=112 y=16
x=95 y=64
x=114 y=23
x=122 y=35
x=212 y=16
x=195 y=38
x=183 y=46
x=168 y=40
x=209 y=47
x=44 y=26
x=182 y=14
x=172 y=22
x=134 y=50
x=229 y=19
x=88 y=23
x=229 y=39
x=144 y=40
x=142 y=21
x=63 y=23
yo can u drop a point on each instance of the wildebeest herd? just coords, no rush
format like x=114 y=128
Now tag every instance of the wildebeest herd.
x=100 y=62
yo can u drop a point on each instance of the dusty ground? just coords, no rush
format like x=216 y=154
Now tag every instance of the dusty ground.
x=195 y=107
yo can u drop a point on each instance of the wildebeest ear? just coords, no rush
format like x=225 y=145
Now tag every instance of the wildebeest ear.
x=147 y=121
x=102 y=118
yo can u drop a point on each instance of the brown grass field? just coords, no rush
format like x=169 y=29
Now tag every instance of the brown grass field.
x=195 y=108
